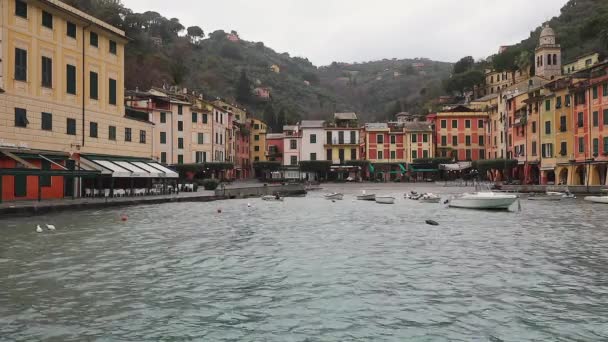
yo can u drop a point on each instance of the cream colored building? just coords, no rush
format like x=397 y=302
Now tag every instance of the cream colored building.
x=581 y=62
x=62 y=73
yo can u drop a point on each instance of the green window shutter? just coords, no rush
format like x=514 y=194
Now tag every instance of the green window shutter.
x=163 y=117
x=112 y=96
x=45 y=180
x=47 y=72
x=20 y=186
x=180 y=143
x=113 y=47
x=194 y=117
x=200 y=138
x=71 y=79
x=94 y=39
x=71 y=30
x=547 y=105
x=21 y=117
x=21 y=8
x=71 y=126
x=94 y=85
x=163 y=137
x=112 y=132
x=47 y=19
x=20 y=64
x=93 y=129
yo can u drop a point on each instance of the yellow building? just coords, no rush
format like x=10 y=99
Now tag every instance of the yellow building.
x=342 y=139
x=63 y=72
x=495 y=130
x=497 y=80
x=258 y=140
x=581 y=62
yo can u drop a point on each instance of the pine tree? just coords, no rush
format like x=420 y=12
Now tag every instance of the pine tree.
x=243 y=89
x=269 y=118
x=281 y=119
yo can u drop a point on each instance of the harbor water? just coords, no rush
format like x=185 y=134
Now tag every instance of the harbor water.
x=307 y=269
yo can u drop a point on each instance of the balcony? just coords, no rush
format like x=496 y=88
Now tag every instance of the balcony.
x=563 y=129
x=342 y=142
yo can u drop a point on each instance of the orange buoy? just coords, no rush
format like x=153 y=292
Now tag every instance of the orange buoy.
x=123 y=217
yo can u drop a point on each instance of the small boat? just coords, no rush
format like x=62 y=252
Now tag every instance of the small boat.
x=546 y=197
x=334 y=196
x=484 y=200
x=365 y=197
x=272 y=198
x=385 y=199
x=597 y=199
x=429 y=198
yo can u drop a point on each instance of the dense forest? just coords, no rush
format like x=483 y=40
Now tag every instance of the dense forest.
x=164 y=52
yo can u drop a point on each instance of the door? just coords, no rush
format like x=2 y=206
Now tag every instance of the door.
x=20 y=186
x=68 y=181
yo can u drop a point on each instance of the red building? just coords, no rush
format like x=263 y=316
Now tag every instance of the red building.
x=274 y=147
x=242 y=163
x=460 y=133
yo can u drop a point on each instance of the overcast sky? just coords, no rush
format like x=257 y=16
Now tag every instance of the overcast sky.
x=363 y=30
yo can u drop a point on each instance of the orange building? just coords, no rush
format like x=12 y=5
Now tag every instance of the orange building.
x=461 y=133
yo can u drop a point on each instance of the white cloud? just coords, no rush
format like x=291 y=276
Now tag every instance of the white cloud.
x=362 y=30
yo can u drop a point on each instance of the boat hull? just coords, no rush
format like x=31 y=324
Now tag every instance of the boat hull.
x=429 y=200
x=334 y=197
x=485 y=203
x=272 y=199
x=550 y=198
x=366 y=197
x=597 y=199
x=385 y=200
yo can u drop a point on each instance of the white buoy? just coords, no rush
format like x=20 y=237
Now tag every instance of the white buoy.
x=38 y=229
x=50 y=227
x=248 y=205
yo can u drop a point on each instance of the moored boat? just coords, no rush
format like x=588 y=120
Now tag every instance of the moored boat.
x=484 y=200
x=429 y=198
x=334 y=196
x=385 y=199
x=272 y=198
x=597 y=199
x=370 y=197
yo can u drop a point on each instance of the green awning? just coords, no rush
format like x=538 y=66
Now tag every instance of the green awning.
x=402 y=168
x=423 y=170
x=371 y=168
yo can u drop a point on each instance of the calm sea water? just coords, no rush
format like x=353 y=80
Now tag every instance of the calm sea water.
x=308 y=269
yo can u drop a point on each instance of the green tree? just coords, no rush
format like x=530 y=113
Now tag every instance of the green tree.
x=269 y=118
x=243 y=89
x=195 y=33
x=281 y=119
x=464 y=64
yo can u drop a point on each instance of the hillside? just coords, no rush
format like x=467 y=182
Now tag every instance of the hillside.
x=163 y=51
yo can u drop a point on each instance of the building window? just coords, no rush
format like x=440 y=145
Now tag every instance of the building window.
x=596 y=119
x=113 y=48
x=534 y=148
x=47 y=72
x=605 y=89
x=563 y=150
x=353 y=137
x=313 y=156
x=94 y=39
x=194 y=117
x=596 y=146
x=313 y=138
x=444 y=140
x=21 y=9
x=71 y=30
x=204 y=118
x=256 y=137
x=163 y=137
x=200 y=138
x=112 y=132
x=21 y=117
x=562 y=124
x=467 y=123
x=112 y=96
x=293 y=144
x=467 y=140
x=425 y=154
x=595 y=92
x=533 y=126
x=581 y=145
x=393 y=155
x=128 y=134
x=454 y=123
x=71 y=79
x=605 y=117
x=47 y=19
x=94 y=85
x=71 y=126
x=180 y=143
x=180 y=126
x=568 y=100
x=380 y=139
x=414 y=138
x=20 y=64
x=294 y=160
x=558 y=102
x=93 y=129
x=479 y=123
x=256 y=126
x=353 y=154
x=581 y=120
x=380 y=155
x=454 y=141
x=47 y=122
x=468 y=155
x=180 y=158
x=481 y=141
x=329 y=154
x=341 y=137
x=180 y=110
x=605 y=144
x=444 y=123
x=414 y=154
x=163 y=117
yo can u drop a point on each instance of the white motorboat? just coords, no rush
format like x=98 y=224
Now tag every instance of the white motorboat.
x=597 y=199
x=272 y=198
x=429 y=198
x=385 y=199
x=334 y=196
x=484 y=200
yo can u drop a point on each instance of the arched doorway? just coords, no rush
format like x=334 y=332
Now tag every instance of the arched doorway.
x=550 y=177
x=579 y=175
x=563 y=176
x=596 y=175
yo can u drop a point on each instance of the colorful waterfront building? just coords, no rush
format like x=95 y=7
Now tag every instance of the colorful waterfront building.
x=581 y=62
x=62 y=90
x=275 y=147
x=461 y=133
x=495 y=129
x=342 y=145
x=257 y=139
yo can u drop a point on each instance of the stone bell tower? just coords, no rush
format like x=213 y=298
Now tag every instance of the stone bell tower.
x=548 y=55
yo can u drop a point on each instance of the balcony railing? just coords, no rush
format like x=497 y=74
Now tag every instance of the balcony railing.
x=341 y=142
